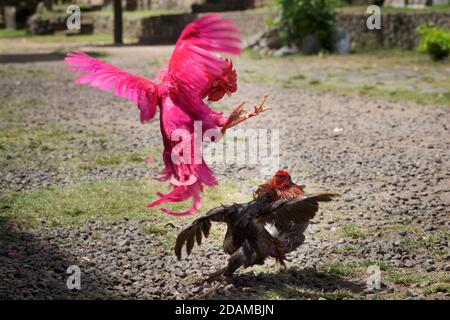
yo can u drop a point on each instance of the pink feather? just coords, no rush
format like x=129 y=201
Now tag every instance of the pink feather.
x=142 y=92
x=193 y=73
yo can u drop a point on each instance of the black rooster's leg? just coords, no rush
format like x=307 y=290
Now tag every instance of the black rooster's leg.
x=217 y=274
x=246 y=256
x=279 y=258
x=236 y=260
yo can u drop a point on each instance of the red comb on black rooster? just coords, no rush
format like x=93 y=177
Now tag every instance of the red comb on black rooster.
x=271 y=225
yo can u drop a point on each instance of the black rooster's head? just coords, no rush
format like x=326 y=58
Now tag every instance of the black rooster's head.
x=280 y=186
x=281 y=179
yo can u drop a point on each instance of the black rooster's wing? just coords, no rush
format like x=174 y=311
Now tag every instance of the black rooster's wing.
x=298 y=210
x=199 y=228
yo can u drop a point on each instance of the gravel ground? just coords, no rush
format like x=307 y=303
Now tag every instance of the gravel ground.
x=390 y=161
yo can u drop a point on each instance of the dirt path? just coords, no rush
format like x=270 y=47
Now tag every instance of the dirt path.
x=390 y=160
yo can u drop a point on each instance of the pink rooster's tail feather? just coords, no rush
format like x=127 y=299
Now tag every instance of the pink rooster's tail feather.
x=191 y=187
x=178 y=194
x=187 y=178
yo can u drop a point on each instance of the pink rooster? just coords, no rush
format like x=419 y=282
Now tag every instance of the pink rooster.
x=193 y=74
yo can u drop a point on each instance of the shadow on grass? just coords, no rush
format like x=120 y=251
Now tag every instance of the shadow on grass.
x=35 y=268
x=292 y=283
x=31 y=57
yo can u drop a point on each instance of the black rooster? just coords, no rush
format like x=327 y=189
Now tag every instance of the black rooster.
x=271 y=225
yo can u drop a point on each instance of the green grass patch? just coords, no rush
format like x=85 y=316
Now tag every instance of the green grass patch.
x=97 y=54
x=9 y=73
x=338 y=268
x=351 y=268
x=346 y=249
x=165 y=235
x=439 y=287
x=155 y=229
x=353 y=231
x=387 y=73
x=296 y=292
x=19 y=104
x=102 y=200
x=22 y=146
x=60 y=38
x=425 y=244
x=45 y=147
x=11 y=33
x=97 y=159
x=437 y=281
x=63 y=147
x=407 y=277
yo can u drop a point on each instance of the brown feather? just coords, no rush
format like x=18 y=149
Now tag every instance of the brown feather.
x=193 y=233
x=181 y=239
x=190 y=244
x=198 y=235
x=206 y=227
x=297 y=210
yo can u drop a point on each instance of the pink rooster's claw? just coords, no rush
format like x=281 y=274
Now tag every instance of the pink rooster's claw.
x=259 y=108
x=238 y=115
x=234 y=117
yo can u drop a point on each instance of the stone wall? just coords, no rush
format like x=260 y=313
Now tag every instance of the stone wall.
x=249 y=22
x=163 y=29
x=166 y=4
x=172 y=4
x=145 y=4
x=397 y=29
x=228 y=5
x=132 y=26
x=187 y=4
x=413 y=3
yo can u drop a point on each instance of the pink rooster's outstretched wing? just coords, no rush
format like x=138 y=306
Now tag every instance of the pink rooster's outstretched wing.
x=193 y=74
x=193 y=68
x=142 y=92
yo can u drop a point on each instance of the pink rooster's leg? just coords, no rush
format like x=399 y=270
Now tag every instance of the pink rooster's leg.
x=238 y=115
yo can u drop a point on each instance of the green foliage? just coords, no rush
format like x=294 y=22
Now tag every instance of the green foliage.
x=297 y=18
x=435 y=41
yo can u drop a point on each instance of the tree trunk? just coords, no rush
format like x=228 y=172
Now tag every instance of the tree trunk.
x=118 y=22
x=48 y=4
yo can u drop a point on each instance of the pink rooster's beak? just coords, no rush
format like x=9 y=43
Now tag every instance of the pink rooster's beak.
x=192 y=179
